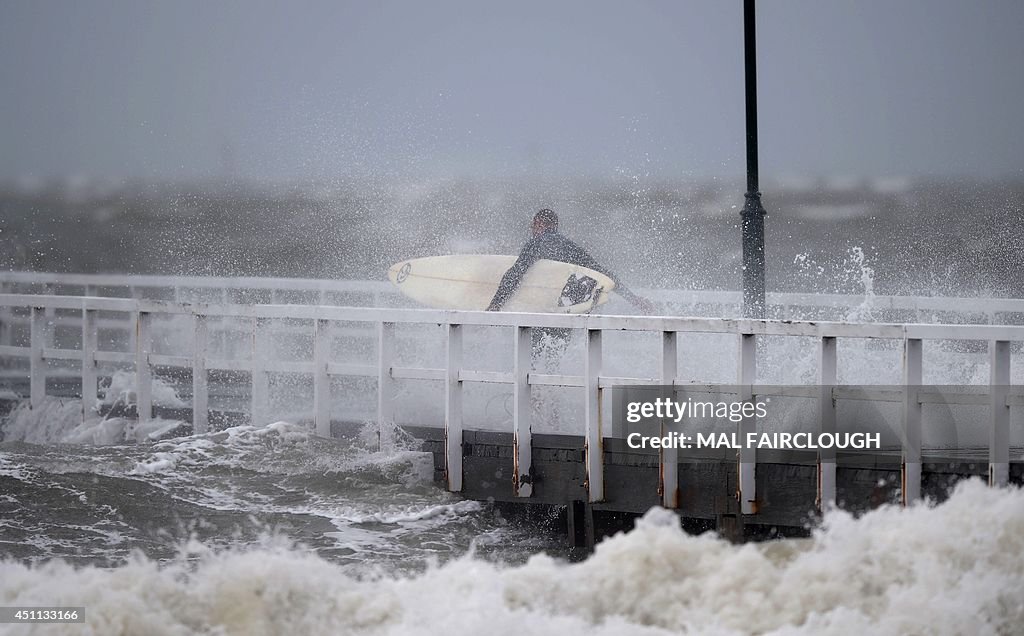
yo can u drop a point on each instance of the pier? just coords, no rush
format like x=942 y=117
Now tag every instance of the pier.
x=228 y=338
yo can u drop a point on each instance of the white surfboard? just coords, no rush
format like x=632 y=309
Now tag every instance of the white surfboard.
x=469 y=282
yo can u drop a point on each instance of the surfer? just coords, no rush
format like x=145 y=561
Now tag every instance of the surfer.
x=548 y=243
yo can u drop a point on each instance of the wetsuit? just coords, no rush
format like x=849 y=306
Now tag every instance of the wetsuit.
x=552 y=246
x=548 y=342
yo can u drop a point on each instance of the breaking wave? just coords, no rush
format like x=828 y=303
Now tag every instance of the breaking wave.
x=955 y=568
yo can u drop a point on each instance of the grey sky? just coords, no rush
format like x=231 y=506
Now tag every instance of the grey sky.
x=320 y=89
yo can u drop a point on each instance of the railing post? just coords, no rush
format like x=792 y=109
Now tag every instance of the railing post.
x=827 y=417
x=143 y=371
x=385 y=382
x=260 y=376
x=50 y=290
x=999 y=436
x=200 y=386
x=133 y=331
x=321 y=381
x=90 y=338
x=453 y=409
x=912 y=377
x=522 y=457
x=5 y=317
x=594 y=441
x=746 y=491
x=37 y=366
x=228 y=347
x=669 y=472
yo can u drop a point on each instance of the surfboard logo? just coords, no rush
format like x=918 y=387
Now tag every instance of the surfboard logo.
x=578 y=289
x=403 y=273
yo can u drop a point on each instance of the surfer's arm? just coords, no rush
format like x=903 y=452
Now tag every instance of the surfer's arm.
x=639 y=302
x=510 y=281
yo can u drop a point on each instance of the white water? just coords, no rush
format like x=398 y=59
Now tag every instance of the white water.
x=953 y=569
x=60 y=421
x=123 y=385
x=356 y=504
x=63 y=420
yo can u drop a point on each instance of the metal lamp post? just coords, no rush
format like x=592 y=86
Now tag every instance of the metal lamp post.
x=753 y=212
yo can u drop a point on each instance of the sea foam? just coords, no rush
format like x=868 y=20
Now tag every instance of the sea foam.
x=955 y=568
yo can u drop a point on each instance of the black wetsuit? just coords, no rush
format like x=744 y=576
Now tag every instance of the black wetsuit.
x=552 y=246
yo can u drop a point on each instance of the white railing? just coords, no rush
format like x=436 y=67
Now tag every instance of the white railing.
x=191 y=288
x=999 y=397
x=368 y=293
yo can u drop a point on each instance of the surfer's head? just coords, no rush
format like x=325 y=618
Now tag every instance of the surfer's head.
x=544 y=221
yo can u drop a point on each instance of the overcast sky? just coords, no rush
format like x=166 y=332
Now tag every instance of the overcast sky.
x=181 y=89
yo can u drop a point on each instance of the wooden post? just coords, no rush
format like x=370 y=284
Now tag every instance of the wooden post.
x=200 y=386
x=6 y=314
x=912 y=376
x=747 y=456
x=385 y=383
x=522 y=452
x=49 y=289
x=669 y=456
x=133 y=331
x=453 y=409
x=580 y=525
x=37 y=366
x=260 y=375
x=321 y=381
x=143 y=370
x=594 y=440
x=999 y=435
x=827 y=364
x=90 y=337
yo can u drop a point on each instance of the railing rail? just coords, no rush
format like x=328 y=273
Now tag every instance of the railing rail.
x=40 y=350
x=92 y=284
